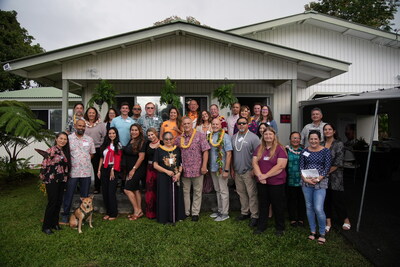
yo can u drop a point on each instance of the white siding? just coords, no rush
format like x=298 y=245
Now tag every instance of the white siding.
x=179 y=57
x=373 y=66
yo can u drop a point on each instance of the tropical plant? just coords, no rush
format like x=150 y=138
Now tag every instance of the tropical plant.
x=168 y=94
x=103 y=92
x=224 y=95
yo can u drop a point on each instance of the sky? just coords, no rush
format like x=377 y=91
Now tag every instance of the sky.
x=61 y=23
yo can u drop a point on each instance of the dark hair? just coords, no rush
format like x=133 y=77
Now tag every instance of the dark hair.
x=269 y=116
x=107 y=117
x=316 y=109
x=66 y=149
x=153 y=130
x=86 y=114
x=317 y=132
x=259 y=126
x=200 y=119
x=107 y=141
x=237 y=121
x=292 y=133
x=242 y=108
x=139 y=141
x=77 y=104
x=257 y=104
x=178 y=117
x=125 y=104
x=333 y=127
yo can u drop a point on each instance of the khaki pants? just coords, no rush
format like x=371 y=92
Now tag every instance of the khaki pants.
x=222 y=190
x=246 y=188
x=197 y=183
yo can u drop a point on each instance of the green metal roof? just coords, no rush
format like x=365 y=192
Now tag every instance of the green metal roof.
x=37 y=93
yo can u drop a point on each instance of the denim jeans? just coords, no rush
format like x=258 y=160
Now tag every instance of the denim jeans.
x=84 y=183
x=314 y=199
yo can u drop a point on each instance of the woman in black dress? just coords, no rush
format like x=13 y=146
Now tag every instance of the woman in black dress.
x=132 y=160
x=167 y=161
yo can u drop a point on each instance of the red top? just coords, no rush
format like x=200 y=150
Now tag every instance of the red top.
x=266 y=164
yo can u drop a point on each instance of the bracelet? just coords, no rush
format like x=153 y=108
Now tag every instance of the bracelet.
x=226 y=170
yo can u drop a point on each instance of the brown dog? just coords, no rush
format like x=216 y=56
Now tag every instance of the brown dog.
x=83 y=212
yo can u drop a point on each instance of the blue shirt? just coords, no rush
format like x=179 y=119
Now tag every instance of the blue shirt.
x=214 y=167
x=321 y=161
x=123 y=126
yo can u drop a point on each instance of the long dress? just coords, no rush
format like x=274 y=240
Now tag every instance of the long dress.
x=151 y=183
x=171 y=161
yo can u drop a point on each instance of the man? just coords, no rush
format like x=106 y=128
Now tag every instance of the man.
x=136 y=110
x=214 y=110
x=231 y=120
x=193 y=113
x=244 y=144
x=194 y=150
x=78 y=114
x=317 y=124
x=256 y=111
x=150 y=120
x=220 y=160
x=123 y=124
x=82 y=150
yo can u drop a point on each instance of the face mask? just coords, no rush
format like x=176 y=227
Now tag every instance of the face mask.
x=80 y=132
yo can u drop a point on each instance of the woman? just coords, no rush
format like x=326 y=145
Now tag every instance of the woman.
x=335 y=199
x=111 y=114
x=151 y=174
x=266 y=117
x=174 y=124
x=245 y=112
x=96 y=129
x=261 y=128
x=295 y=197
x=54 y=173
x=109 y=167
x=167 y=162
x=316 y=157
x=204 y=124
x=269 y=163
x=132 y=160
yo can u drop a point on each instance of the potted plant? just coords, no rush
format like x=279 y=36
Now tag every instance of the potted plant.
x=225 y=95
x=103 y=92
x=168 y=94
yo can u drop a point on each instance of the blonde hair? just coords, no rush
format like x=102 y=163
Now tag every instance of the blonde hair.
x=263 y=145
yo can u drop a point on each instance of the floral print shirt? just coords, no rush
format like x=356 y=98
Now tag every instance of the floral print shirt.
x=81 y=148
x=55 y=167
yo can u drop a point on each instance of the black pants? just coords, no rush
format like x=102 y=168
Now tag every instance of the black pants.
x=296 y=203
x=275 y=195
x=109 y=190
x=95 y=164
x=55 y=193
x=335 y=201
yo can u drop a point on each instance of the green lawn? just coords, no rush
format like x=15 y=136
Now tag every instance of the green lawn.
x=147 y=243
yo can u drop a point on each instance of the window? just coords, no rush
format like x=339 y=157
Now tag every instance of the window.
x=51 y=118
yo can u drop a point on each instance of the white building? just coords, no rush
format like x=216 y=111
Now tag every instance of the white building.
x=279 y=62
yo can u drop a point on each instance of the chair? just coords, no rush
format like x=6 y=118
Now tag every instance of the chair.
x=350 y=162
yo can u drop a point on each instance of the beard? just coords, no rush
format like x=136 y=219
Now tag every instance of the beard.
x=80 y=132
x=242 y=130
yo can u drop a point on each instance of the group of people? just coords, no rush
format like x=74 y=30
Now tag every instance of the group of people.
x=170 y=158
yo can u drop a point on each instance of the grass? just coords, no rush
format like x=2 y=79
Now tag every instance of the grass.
x=147 y=243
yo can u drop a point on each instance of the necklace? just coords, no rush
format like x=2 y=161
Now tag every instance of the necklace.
x=241 y=145
x=220 y=138
x=167 y=149
x=296 y=152
x=190 y=140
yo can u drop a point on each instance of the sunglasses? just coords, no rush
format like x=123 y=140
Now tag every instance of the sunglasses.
x=168 y=139
x=242 y=123
x=137 y=109
x=150 y=108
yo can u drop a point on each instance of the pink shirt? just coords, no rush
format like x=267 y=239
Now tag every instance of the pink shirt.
x=266 y=164
x=81 y=148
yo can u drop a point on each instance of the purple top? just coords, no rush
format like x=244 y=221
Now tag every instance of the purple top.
x=192 y=157
x=266 y=164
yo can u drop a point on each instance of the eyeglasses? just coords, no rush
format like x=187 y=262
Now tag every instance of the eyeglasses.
x=168 y=139
x=242 y=123
x=150 y=108
x=137 y=109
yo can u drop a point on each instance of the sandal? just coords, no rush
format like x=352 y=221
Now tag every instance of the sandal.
x=346 y=226
x=312 y=236
x=327 y=229
x=321 y=240
x=106 y=217
x=112 y=218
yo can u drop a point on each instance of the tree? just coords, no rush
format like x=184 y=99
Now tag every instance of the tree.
x=189 y=19
x=374 y=13
x=15 y=42
x=168 y=94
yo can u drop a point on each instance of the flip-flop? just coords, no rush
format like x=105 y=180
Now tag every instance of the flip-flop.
x=106 y=217
x=133 y=218
x=346 y=226
x=112 y=218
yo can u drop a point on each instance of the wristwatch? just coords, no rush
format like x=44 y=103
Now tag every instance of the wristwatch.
x=226 y=170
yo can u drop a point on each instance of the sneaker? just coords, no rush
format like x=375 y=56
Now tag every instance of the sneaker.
x=222 y=218
x=215 y=215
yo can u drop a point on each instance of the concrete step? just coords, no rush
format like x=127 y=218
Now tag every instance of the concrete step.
x=209 y=202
